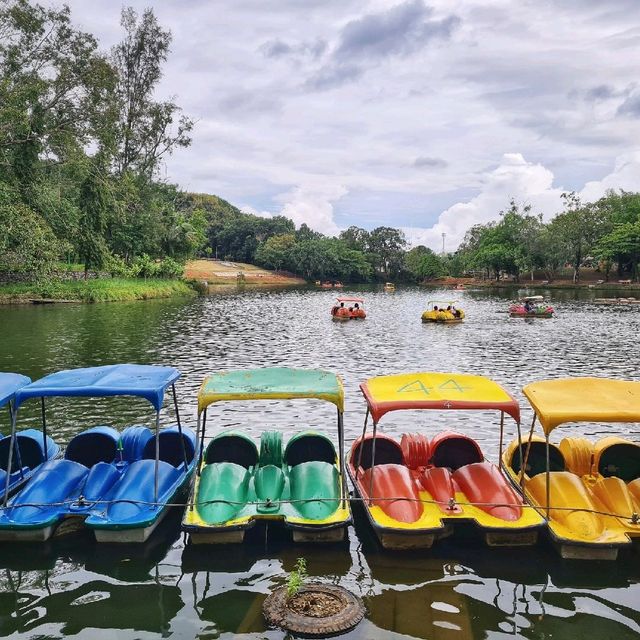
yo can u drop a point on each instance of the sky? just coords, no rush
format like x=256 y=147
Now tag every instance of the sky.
x=425 y=115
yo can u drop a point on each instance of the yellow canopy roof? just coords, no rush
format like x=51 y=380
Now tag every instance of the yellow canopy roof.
x=271 y=383
x=583 y=400
x=436 y=391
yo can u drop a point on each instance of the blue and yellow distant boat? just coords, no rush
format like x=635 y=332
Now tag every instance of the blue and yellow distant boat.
x=589 y=492
x=300 y=485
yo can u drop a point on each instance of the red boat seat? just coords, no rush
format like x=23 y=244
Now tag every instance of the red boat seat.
x=388 y=451
x=439 y=482
x=397 y=488
x=415 y=450
x=454 y=450
x=484 y=485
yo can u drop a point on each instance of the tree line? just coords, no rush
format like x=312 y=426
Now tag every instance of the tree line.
x=83 y=138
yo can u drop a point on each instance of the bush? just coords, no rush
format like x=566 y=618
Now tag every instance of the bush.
x=170 y=268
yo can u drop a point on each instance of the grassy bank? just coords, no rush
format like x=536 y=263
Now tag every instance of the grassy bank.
x=102 y=290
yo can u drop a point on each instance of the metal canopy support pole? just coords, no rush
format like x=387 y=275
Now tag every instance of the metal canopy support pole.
x=155 y=482
x=17 y=447
x=373 y=461
x=519 y=442
x=501 y=438
x=204 y=424
x=10 y=461
x=548 y=486
x=523 y=463
x=342 y=461
x=44 y=427
x=184 y=446
x=198 y=451
x=364 y=431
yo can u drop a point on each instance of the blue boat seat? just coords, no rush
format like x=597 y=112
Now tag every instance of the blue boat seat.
x=171 y=447
x=98 y=444
x=30 y=444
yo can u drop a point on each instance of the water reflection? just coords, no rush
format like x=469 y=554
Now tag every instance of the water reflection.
x=75 y=586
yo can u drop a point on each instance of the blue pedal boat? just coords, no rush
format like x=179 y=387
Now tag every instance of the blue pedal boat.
x=119 y=486
x=31 y=448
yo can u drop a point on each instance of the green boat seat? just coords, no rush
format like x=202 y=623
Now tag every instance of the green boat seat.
x=309 y=446
x=271 y=448
x=232 y=447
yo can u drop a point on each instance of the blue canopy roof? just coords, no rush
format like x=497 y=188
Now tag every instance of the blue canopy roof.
x=144 y=381
x=9 y=384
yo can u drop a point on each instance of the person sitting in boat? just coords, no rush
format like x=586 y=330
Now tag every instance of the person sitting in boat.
x=356 y=306
x=435 y=307
x=528 y=307
x=455 y=312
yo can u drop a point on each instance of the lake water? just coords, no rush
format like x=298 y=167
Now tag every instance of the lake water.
x=74 y=587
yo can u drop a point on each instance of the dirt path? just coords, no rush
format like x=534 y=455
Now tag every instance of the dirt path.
x=223 y=272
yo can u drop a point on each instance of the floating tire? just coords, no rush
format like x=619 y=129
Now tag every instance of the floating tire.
x=278 y=614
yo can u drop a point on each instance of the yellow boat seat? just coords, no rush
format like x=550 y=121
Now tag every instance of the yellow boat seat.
x=537 y=459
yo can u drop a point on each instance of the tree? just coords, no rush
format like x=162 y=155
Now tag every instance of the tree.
x=387 y=245
x=275 y=252
x=423 y=264
x=145 y=131
x=93 y=222
x=623 y=240
x=27 y=244
x=356 y=238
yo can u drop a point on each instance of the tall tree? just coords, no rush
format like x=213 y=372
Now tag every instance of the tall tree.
x=146 y=132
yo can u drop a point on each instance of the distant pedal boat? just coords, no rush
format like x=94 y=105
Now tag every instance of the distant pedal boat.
x=117 y=485
x=300 y=486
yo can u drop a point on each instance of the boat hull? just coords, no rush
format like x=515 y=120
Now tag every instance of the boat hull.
x=299 y=489
x=590 y=516
x=420 y=495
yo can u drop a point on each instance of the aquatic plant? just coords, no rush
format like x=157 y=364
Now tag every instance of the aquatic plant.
x=297 y=578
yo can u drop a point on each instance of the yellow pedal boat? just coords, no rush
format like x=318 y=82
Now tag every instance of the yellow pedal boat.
x=589 y=492
x=442 y=313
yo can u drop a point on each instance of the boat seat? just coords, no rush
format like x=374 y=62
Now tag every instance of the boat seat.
x=537 y=460
x=309 y=447
x=388 y=451
x=98 y=444
x=232 y=447
x=31 y=453
x=271 y=448
x=415 y=450
x=620 y=460
x=171 y=449
x=454 y=452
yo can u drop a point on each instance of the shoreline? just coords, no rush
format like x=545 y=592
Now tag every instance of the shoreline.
x=93 y=291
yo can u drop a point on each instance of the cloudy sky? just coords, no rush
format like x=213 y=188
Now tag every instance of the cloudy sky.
x=426 y=114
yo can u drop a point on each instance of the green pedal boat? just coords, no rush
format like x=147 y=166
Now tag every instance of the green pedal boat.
x=238 y=484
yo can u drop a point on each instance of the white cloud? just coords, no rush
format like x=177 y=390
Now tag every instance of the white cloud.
x=311 y=204
x=625 y=175
x=525 y=182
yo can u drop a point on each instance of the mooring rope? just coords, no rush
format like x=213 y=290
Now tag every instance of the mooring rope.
x=449 y=505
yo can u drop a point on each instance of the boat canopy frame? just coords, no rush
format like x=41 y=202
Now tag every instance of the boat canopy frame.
x=581 y=399
x=272 y=383
x=10 y=384
x=149 y=382
x=434 y=391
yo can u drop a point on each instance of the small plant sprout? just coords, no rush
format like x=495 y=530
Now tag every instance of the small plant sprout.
x=297 y=577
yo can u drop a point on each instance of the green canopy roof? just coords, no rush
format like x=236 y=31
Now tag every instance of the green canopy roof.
x=271 y=383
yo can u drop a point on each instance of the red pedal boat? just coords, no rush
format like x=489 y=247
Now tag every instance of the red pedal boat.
x=416 y=489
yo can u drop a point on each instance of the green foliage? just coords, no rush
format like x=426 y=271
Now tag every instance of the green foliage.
x=423 y=264
x=297 y=578
x=95 y=290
